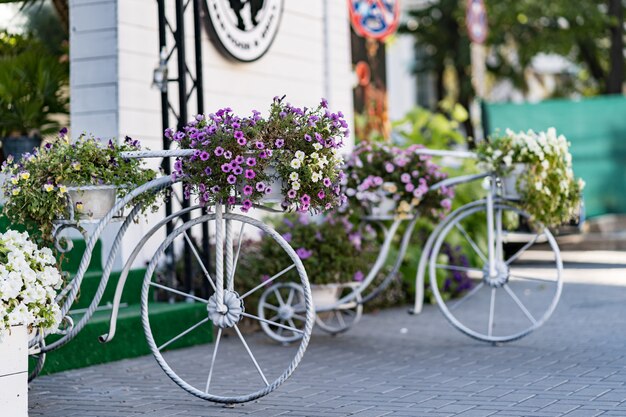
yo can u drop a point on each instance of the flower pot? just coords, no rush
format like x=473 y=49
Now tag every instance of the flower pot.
x=14 y=373
x=509 y=182
x=17 y=146
x=325 y=295
x=96 y=201
x=276 y=185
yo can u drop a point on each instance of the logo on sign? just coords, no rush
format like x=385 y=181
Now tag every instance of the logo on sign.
x=376 y=19
x=476 y=20
x=243 y=29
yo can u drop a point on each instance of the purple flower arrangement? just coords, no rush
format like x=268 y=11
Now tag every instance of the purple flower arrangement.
x=375 y=172
x=332 y=249
x=241 y=160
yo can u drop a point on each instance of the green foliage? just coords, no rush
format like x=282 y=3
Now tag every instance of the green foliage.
x=331 y=249
x=578 y=32
x=434 y=130
x=549 y=191
x=32 y=83
x=36 y=188
x=518 y=31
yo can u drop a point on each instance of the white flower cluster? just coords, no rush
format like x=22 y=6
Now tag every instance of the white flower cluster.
x=28 y=283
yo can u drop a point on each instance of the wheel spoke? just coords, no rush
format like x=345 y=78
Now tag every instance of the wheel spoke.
x=292 y=324
x=256 y=364
x=518 y=276
x=299 y=317
x=290 y=296
x=523 y=249
x=520 y=304
x=273 y=323
x=280 y=298
x=340 y=319
x=471 y=242
x=175 y=338
x=217 y=345
x=243 y=225
x=197 y=255
x=467 y=296
x=184 y=294
x=492 y=307
x=459 y=268
x=270 y=307
x=269 y=280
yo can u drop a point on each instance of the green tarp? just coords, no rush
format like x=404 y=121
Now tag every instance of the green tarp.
x=596 y=128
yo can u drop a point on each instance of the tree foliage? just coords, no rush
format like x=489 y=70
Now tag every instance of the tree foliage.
x=518 y=30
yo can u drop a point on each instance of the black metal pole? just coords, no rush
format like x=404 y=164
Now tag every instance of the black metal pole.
x=165 y=165
x=197 y=32
x=179 y=36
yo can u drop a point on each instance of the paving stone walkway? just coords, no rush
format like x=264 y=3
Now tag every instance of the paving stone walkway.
x=393 y=364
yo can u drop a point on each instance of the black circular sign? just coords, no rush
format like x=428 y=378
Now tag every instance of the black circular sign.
x=243 y=29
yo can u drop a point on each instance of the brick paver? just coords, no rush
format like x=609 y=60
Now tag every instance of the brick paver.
x=393 y=364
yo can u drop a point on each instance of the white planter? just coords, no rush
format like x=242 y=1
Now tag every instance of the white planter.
x=276 y=195
x=509 y=182
x=14 y=373
x=325 y=295
x=96 y=202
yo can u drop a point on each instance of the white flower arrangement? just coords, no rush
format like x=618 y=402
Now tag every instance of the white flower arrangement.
x=29 y=279
x=549 y=190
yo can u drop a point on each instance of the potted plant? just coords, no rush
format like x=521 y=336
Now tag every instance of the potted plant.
x=386 y=181
x=535 y=168
x=73 y=181
x=290 y=156
x=336 y=255
x=28 y=283
x=32 y=93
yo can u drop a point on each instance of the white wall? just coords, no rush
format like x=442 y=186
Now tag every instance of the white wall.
x=114 y=50
x=401 y=81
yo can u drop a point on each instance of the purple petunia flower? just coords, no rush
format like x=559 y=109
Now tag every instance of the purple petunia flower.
x=231 y=179
x=260 y=186
x=263 y=155
x=239 y=159
x=228 y=154
x=358 y=276
x=389 y=167
x=268 y=190
x=251 y=161
x=206 y=196
x=409 y=187
x=247 y=204
x=219 y=151
x=237 y=170
x=247 y=190
x=208 y=171
x=446 y=203
x=204 y=155
x=287 y=236
x=405 y=178
x=226 y=168
x=231 y=200
x=250 y=174
x=259 y=144
x=304 y=253
x=327 y=182
x=279 y=143
x=242 y=141
x=179 y=136
x=305 y=199
x=307 y=137
x=324 y=103
x=238 y=134
x=291 y=193
x=215 y=189
x=321 y=195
